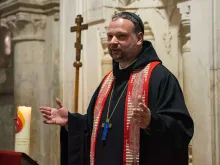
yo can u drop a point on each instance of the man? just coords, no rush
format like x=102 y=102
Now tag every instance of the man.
x=137 y=115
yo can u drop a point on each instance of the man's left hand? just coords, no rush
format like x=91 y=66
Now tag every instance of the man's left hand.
x=142 y=116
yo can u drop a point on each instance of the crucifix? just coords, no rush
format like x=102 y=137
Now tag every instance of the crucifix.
x=77 y=64
x=106 y=125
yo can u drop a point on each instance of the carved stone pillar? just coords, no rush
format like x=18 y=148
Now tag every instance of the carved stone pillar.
x=185 y=44
x=148 y=34
x=184 y=8
x=106 y=60
x=34 y=78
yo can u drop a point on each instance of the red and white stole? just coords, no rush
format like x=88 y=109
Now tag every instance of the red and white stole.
x=137 y=85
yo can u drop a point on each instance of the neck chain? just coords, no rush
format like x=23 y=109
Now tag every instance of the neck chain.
x=109 y=117
x=106 y=125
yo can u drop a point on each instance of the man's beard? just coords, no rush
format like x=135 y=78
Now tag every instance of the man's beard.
x=117 y=55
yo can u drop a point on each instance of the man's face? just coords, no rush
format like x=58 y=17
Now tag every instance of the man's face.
x=122 y=41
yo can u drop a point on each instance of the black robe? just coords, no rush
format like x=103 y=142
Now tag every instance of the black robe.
x=171 y=127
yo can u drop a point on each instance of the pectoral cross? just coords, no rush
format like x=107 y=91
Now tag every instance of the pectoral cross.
x=78 y=28
x=106 y=125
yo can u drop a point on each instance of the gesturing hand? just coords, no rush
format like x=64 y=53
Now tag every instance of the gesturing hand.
x=142 y=116
x=57 y=116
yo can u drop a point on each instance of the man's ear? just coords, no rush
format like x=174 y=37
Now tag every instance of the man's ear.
x=140 y=38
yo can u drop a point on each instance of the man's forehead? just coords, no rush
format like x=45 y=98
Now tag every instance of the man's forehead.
x=120 y=24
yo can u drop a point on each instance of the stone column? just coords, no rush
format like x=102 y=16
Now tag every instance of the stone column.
x=185 y=45
x=106 y=60
x=35 y=72
x=6 y=92
x=204 y=84
x=215 y=79
x=148 y=34
x=184 y=8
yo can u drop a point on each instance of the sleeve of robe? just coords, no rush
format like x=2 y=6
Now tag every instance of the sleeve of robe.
x=79 y=133
x=170 y=119
x=63 y=146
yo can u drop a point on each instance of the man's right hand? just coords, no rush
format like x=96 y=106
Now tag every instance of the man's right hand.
x=57 y=116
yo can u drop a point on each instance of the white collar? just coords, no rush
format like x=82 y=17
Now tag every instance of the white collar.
x=127 y=65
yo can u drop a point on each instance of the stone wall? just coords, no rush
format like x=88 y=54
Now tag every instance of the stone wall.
x=35 y=30
x=6 y=91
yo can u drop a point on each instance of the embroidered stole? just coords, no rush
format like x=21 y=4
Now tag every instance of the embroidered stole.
x=137 y=85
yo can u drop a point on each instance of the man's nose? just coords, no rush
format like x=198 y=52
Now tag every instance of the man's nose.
x=113 y=40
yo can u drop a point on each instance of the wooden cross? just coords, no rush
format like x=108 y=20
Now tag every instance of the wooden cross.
x=78 y=28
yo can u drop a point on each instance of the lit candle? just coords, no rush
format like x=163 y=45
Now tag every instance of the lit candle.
x=23 y=125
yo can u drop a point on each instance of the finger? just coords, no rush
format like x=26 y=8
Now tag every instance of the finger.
x=140 y=100
x=141 y=113
x=144 y=107
x=49 y=121
x=136 y=114
x=45 y=112
x=137 y=117
x=59 y=103
x=140 y=119
x=142 y=104
x=45 y=108
x=47 y=117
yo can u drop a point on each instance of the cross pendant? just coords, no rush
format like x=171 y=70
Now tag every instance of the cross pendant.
x=106 y=125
